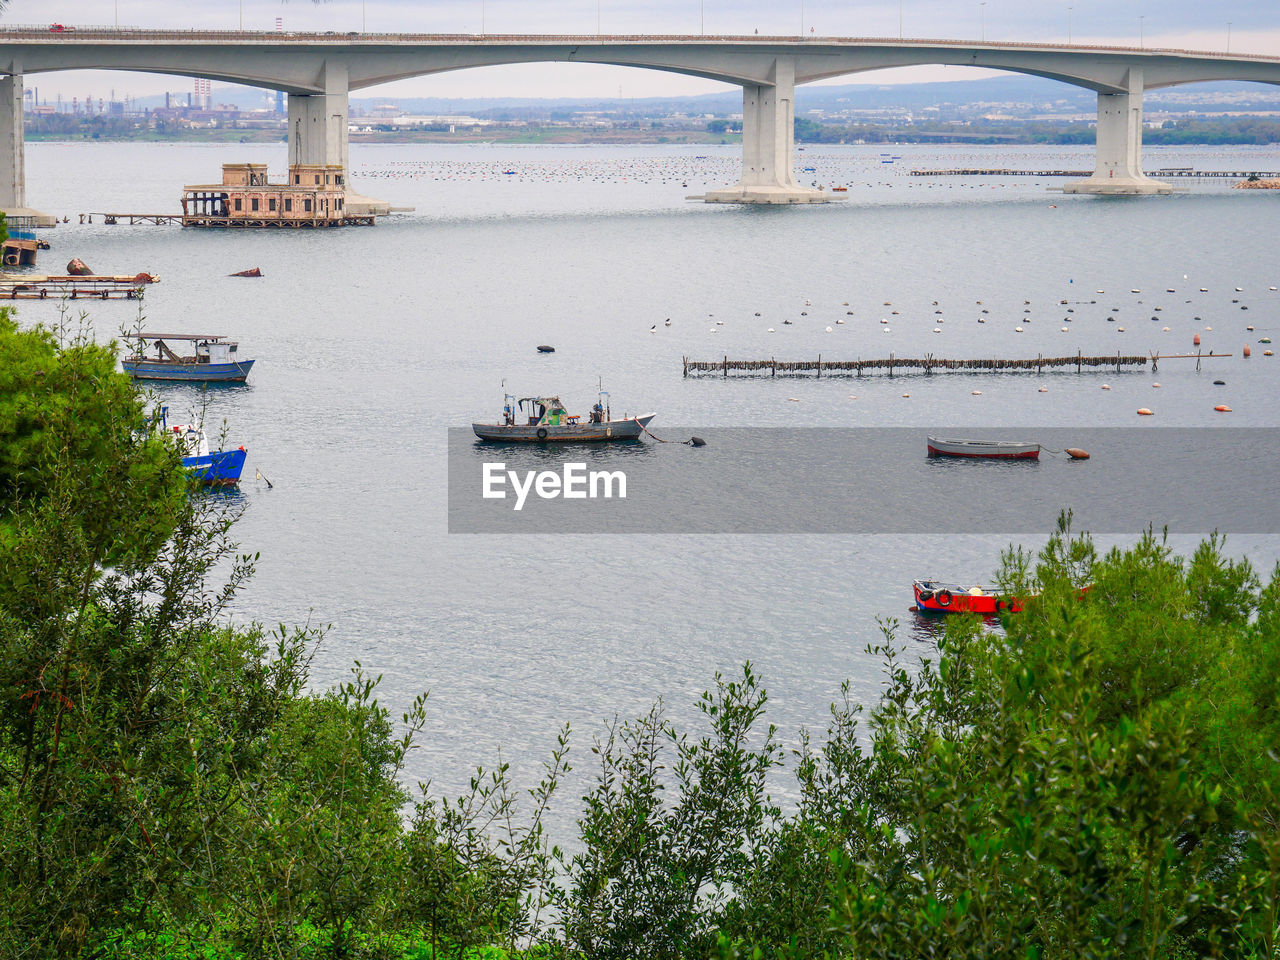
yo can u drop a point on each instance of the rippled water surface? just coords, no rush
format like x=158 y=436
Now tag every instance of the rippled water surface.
x=371 y=342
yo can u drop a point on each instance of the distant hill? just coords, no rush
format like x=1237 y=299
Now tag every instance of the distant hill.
x=1034 y=91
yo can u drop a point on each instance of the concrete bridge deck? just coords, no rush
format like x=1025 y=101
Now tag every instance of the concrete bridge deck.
x=318 y=71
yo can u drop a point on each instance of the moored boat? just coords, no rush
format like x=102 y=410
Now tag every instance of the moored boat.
x=547 y=421
x=933 y=596
x=214 y=468
x=988 y=449
x=214 y=359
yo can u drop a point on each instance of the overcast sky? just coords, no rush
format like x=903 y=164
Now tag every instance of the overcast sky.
x=1196 y=24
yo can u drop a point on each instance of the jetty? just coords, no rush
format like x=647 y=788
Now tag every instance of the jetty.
x=91 y=287
x=927 y=364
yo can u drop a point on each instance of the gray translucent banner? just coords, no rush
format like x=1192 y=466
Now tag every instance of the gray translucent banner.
x=869 y=480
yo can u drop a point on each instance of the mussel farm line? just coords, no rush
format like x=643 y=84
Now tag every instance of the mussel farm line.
x=926 y=364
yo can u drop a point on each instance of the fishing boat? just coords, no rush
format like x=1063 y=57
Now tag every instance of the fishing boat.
x=933 y=596
x=987 y=449
x=214 y=358
x=547 y=421
x=214 y=468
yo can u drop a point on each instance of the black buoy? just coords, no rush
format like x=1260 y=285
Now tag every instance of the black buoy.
x=543 y=348
x=1219 y=383
x=696 y=442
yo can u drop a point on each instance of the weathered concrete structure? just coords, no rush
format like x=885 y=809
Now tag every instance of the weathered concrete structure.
x=319 y=70
x=312 y=195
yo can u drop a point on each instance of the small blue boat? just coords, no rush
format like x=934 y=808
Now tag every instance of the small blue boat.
x=214 y=360
x=214 y=468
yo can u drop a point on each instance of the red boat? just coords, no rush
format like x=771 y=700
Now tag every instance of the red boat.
x=933 y=596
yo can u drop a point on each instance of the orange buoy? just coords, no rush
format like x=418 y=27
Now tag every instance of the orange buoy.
x=1247 y=351
x=1196 y=340
x=1075 y=453
x=1222 y=408
x=1144 y=412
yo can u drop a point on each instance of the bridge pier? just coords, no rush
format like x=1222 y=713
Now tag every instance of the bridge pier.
x=768 y=138
x=318 y=121
x=13 y=177
x=1118 y=167
x=13 y=167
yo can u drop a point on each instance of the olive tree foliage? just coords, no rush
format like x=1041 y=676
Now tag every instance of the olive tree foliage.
x=164 y=772
x=1097 y=779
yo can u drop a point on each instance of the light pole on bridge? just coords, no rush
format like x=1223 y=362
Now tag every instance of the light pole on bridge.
x=1069 y=9
x=982 y=7
x=1228 y=36
x=1141 y=38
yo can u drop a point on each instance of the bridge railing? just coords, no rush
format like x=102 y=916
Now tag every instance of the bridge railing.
x=72 y=32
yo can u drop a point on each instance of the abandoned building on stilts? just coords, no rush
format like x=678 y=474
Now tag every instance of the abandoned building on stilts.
x=312 y=195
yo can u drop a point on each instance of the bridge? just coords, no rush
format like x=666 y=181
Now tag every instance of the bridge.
x=318 y=71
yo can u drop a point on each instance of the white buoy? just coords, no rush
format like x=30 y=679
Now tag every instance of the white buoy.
x=1119 y=329
x=937 y=329
x=1239 y=289
x=1044 y=389
x=1017 y=329
x=793 y=399
x=829 y=329
x=1106 y=386
x=771 y=329
x=1064 y=329
x=977 y=393
x=1164 y=329
x=1156 y=386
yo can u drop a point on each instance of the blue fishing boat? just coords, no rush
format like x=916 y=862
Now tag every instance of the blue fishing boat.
x=214 y=468
x=214 y=359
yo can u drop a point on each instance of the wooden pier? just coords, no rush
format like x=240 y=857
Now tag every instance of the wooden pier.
x=20 y=287
x=211 y=220
x=159 y=219
x=927 y=364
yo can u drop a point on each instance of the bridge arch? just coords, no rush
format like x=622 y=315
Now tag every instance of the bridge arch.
x=318 y=71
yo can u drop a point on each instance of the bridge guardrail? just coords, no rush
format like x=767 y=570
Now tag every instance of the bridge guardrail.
x=73 y=32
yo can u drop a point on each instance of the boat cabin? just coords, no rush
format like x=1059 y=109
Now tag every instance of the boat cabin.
x=208 y=348
x=546 y=411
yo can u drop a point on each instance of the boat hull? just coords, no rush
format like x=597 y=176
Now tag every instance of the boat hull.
x=934 y=597
x=235 y=372
x=627 y=429
x=983 y=449
x=222 y=468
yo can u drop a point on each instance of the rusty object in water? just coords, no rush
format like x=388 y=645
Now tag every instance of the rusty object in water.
x=255 y=272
